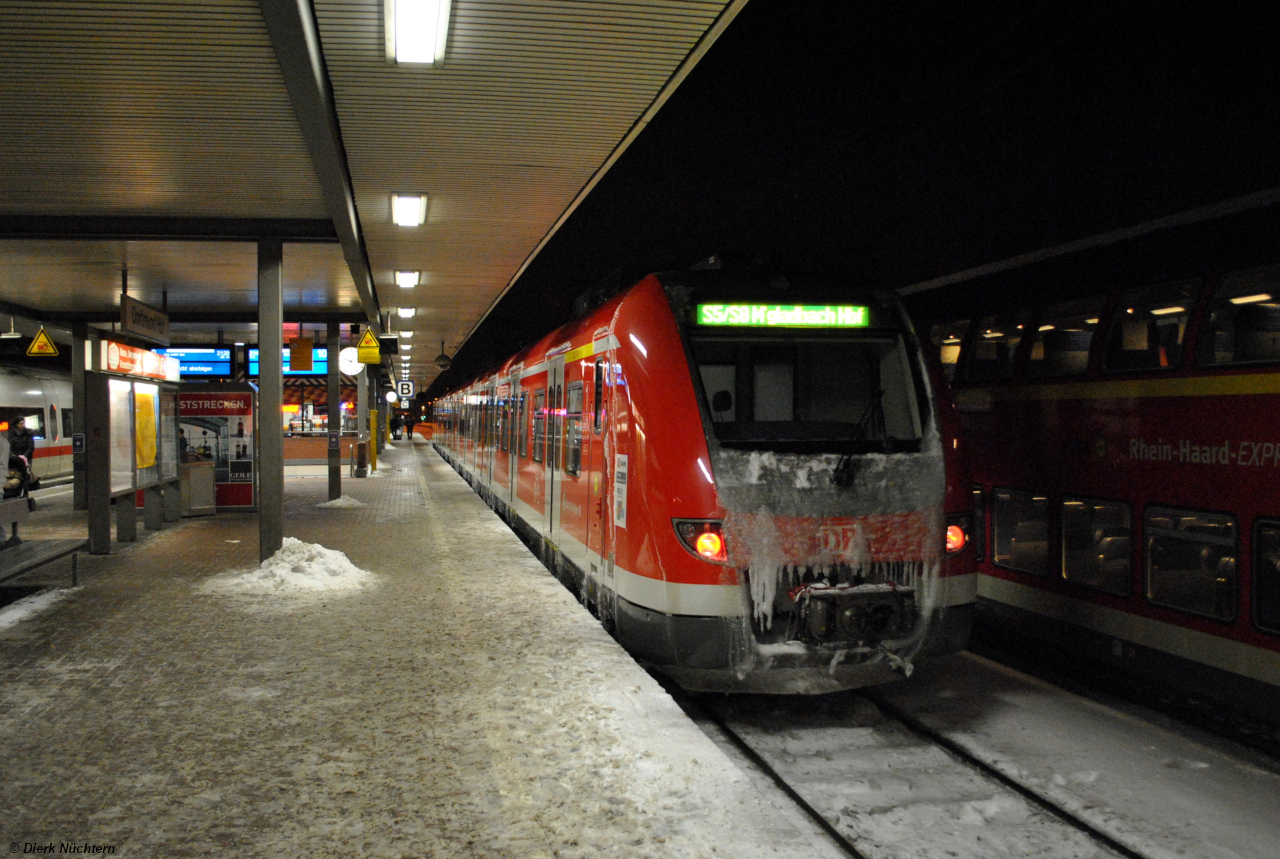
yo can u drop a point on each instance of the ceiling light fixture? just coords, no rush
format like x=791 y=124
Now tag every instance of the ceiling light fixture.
x=417 y=30
x=1239 y=299
x=405 y=335
x=409 y=210
x=408 y=279
x=405 y=312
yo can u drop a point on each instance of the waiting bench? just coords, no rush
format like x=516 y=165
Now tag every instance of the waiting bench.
x=21 y=557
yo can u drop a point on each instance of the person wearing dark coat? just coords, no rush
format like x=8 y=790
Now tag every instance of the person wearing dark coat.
x=22 y=443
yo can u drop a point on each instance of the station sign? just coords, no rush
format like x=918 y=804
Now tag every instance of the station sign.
x=784 y=315
x=143 y=321
x=131 y=361
x=405 y=389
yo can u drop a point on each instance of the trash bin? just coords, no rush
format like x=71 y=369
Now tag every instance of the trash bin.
x=198 y=495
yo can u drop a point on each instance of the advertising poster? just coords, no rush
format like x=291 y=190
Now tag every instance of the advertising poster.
x=120 y=406
x=144 y=424
x=168 y=435
x=217 y=427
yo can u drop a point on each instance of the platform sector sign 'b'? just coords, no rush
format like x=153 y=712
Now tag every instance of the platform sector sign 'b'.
x=404 y=390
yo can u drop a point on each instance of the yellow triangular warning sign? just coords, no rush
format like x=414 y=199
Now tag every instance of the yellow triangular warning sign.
x=41 y=345
x=368 y=350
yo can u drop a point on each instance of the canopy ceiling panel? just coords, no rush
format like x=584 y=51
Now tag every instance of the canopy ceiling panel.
x=147 y=108
x=530 y=102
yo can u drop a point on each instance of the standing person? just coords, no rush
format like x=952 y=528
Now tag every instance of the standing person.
x=396 y=423
x=22 y=444
x=409 y=421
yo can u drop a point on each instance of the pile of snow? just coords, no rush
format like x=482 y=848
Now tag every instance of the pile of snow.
x=345 y=502
x=297 y=569
x=27 y=607
x=388 y=446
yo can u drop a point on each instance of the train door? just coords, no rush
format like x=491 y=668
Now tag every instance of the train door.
x=501 y=443
x=594 y=465
x=490 y=435
x=553 y=465
x=515 y=425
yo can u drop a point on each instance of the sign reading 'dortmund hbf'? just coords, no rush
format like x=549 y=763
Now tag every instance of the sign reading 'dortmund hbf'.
x=143 y=321
x=783 y=315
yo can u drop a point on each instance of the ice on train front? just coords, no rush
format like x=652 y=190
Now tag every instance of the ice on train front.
x=830 y=472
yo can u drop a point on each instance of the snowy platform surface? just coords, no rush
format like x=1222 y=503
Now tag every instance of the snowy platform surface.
x=459 y=702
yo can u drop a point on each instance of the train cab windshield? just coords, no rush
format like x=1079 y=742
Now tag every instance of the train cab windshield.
x=806 y=391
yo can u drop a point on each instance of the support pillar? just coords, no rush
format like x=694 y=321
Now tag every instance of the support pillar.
x=335 y=413
x=270 y=397
x=79 y=482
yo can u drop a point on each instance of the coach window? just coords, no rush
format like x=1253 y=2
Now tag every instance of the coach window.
x=1097 y=546
x=597 y=409
x=1266 y=576
x=946 y=338
x=53 y=422
x=67 y=423
x=573 y=429
x=1021 y=522
x=1191 y=561
x=1149 y=328
x=539 y=425
x=979 y=523
x=994 y=347
x=1244 y=320
x=1063 y=337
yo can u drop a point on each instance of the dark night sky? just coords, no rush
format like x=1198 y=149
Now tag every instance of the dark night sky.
x=897 y=142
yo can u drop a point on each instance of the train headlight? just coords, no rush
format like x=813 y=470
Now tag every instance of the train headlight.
x=958 y=528
x=704 y=538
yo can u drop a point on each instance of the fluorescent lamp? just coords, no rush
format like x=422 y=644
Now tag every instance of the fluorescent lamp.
x=1046 y=328
x=1165 y=311
x=408 y=279
x=405 y=335
x=417 y=30
x=409 y=210
x=1251 y=299
x=405 y=312
x=406 y=345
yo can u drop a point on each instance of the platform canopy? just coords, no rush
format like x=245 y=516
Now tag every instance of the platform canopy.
x=152 y=144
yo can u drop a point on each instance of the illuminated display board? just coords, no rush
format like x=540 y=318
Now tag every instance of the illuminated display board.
x=319 y=363
x=783 y=315
x=201 y=362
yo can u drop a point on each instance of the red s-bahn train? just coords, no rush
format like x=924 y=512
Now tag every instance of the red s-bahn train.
x=1126 y=451
x=755 y=483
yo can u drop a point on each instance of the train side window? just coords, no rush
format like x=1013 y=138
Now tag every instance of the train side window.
x=522 y=426
x=1244 y=320
x=1149 y=328
x=573 y=429
x=597 y=408
x=1064 y=336
x=53 y=422
x=946 y=338
x=539 y=425
x=67 y=423
x=994 y=347
x=1021 y=521
x=504 y=425
x=1266 y=576
x=1191 y=561
x=1097 y=544
x=979 y=523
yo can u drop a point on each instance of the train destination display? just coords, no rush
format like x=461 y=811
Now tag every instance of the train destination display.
x=783 y=316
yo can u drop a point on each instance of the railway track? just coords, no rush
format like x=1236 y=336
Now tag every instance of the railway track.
x=882 y=785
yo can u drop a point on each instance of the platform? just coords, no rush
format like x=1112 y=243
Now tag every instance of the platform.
x=465 y=705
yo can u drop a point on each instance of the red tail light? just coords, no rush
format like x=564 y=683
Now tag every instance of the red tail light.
x=958 y=528
x=704 y=538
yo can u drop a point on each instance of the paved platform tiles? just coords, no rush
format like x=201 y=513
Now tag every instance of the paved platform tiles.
x=463 y=706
